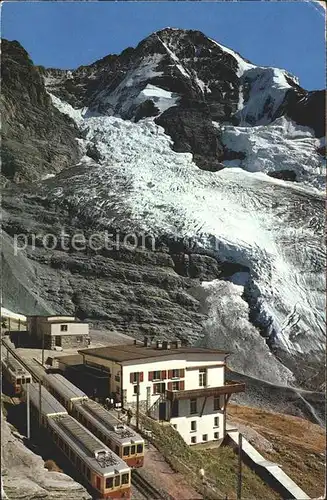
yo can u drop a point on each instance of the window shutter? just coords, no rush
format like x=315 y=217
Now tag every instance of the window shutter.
x=131 y=377
x=170 y=373
x=141 y=377
x=170 y=386
x=163 y=374
x=150 y=376
x=181 y=385
x=182 y=373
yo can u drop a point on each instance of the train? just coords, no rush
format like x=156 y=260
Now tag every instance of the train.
x=121 y=439
x=14 y=373
x=107 y=475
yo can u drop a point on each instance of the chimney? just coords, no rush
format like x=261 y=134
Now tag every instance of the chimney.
x=147 y=342
x=159 y=344
x=166 y=344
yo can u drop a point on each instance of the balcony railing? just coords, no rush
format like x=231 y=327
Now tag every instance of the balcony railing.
x=229 y=388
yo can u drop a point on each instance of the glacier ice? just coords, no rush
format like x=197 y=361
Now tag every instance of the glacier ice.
x=272 y=227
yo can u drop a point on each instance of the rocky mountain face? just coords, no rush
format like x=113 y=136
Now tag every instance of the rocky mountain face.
x=37 y=140
x=212 y=165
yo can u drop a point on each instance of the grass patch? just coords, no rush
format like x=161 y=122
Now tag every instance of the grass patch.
x=299 y=445
x=220 y=465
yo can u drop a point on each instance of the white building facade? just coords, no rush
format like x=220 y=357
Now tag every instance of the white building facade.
x=59 y=331
x=184 y=386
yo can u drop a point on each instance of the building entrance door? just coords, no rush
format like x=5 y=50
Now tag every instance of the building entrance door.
x=58 y=341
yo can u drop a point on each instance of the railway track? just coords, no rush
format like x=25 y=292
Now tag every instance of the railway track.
x=144 y=487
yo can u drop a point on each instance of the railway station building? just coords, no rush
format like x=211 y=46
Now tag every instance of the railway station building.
x=185 y=386
x=59 y=332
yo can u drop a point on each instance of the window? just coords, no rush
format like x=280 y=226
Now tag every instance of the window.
x=216 y=435
x=88 y=473
x=109 y=482
x=205 y=437
x=98 y=483
x=117 y=481
x=193 y=408
x=135 y=387
x=126 y=451
x=193 y=425
x=193 y=440
x=175 y=386
x=134 y=376
x=72 y=456
x=117 y=450
x=63 y=328
x=139 y=448
x=156 y=375
x=159 y=388
x=216 y=422
x=19 y=381
x=133 y=449
x=216 y=403
x=202 y=377
x=118 y=389
x=125 y=479
x=175 y=374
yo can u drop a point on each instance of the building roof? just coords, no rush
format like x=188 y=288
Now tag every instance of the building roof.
x=130 y=352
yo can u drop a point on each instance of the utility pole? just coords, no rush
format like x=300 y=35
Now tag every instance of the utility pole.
x=138 y=400
x=42 y=347
x=40 y=404
x=239 y=470
x=28 y=410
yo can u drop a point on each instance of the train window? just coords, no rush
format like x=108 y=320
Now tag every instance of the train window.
x=78 y=463
x=125 y=451
x=125 y=479
x=98 y=483
x=66 y=449
x=133 y=449
x=117 y=481
x=109 y=482
x=88 y=473
x=72 y=456
x=19 y=381
x=60 y=442
x=139 y=448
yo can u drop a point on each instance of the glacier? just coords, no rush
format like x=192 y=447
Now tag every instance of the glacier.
x=272 y=227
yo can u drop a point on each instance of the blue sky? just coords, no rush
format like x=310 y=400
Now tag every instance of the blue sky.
x=288 y=35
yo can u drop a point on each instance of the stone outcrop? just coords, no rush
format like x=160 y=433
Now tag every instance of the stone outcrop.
x=37 y=140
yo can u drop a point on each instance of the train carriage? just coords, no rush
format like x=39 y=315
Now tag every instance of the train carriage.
x=107 y=475
x=123 y=440
x=63 y=390
x=13 y=372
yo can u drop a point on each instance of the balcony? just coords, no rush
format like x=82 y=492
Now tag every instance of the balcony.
x=229 y=388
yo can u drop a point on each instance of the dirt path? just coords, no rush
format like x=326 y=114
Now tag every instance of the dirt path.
x=161 y=475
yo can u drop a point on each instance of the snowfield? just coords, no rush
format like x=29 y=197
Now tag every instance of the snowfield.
x=271 y=226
